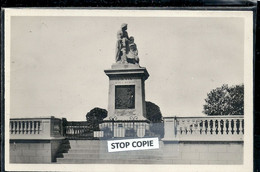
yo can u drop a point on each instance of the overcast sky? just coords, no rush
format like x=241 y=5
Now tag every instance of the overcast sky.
x=58 y=63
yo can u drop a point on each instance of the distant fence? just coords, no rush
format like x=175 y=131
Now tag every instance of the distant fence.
x=205 y=128
x=35 y=128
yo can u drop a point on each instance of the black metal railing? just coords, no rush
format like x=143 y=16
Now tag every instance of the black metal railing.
x=113 y=129
x=78 y=131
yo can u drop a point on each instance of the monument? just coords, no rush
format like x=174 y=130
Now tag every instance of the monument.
x=126 y=97
x=126 y=81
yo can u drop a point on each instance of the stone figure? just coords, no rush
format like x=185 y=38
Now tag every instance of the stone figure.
x=126 y=50
x=132 y=56
x=124 y=28
x=121 y=48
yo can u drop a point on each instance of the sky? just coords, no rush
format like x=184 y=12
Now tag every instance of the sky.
x=57 y=63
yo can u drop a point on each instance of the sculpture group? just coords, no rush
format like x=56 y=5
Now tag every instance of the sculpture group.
x=126 y=50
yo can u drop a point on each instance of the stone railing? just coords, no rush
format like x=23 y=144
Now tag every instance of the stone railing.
x=35 y=128
x=210 y=128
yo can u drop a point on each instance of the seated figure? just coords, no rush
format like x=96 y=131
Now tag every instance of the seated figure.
x=132 y=55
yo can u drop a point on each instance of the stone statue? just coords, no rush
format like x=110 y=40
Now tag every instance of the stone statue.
x=132 y=56
x=124 y=28
x=119 y=46
x=126 y=49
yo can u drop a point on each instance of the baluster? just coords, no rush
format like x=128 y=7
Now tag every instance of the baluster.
x=240 y=127
x=22 y=127
x=12 y=126
x=35 y=127
x=15 y=127
x=214 y=127
x=186 y=132
x=235 y=126
x=29 y=127
x=191 y=127
x=223 y=127
x=182 y=128
x=203 y=130
x=26 y=127
x=209 y=127
x=187 y=127
x=228 y=127
x=39 y=126
x=19 y=126
x=219 y=126
x=197 y=127
x=206 y=123
x=232 y=126
x=32 y=127
x=243 y=129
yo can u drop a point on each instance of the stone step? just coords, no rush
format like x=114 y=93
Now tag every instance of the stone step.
x=112 y=161
x=88 y=143
x=88 y=147
x=94 y=142
x=111 y=156
x=95 y=151
x=94 y=145
x=99 y=151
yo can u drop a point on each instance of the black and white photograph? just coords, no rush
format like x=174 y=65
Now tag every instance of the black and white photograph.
x=124 y=90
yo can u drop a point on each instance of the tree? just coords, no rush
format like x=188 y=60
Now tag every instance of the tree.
x=95 y=117
x=225 y=100
x=154 y=115
x=153 y=112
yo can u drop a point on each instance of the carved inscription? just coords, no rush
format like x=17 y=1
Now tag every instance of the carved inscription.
x=124 y=97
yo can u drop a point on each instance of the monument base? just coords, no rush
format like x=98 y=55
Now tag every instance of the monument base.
x=126 y=92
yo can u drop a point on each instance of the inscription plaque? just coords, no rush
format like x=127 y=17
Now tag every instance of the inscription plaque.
x=124 y=97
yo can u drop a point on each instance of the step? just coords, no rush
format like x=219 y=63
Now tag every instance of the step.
x=90 y=142
x=112 y=161
x=99 y=151
x=111 y=156
x=103 y=147
x=95 y=145
x=95 y=142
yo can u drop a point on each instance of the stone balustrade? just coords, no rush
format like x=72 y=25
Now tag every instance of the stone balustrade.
x=210 y=128
x=35 y=128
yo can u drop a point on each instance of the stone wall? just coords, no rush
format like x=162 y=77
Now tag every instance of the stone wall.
x=204 y=152
x=29 y=151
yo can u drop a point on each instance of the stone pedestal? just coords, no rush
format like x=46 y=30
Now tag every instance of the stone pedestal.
x=126 y=97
